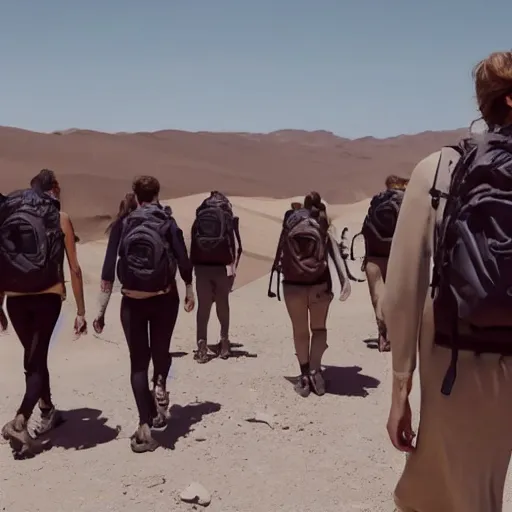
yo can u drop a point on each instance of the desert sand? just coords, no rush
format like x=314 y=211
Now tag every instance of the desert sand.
x=95 y=169
x=327 y=454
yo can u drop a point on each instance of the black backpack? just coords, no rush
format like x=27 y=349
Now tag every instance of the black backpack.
x=472 y=278
x=31 y=242
x=212 y=236
x=304 y=248
x=146 y=261
x=380 y=222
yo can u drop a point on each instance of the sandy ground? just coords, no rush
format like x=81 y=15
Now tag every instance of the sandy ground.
x=325 y=454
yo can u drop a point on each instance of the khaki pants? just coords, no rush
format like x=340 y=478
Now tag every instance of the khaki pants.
x=375 y=269
x=213 y=285
x=308 y=307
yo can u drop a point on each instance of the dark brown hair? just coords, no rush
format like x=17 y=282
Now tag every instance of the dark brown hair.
x=126 y=206
x=313 y=202
x=146 y=188
x=493 y=83
x=45 y=181
x=396 y=182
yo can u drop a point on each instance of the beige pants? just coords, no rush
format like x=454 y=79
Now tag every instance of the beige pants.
x=308 y=307
x=375 y=269
x=465 y=439
x=213 y=285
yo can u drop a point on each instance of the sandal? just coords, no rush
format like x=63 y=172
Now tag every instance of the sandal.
x=15 y=431
x=50 y=419
x=142 y=441
x=317 y=382
x=201 y=355
x=302 y=386
x=161 y=398
x=225 y=348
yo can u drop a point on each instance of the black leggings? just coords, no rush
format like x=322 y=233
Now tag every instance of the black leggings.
x=34 y=318
x=158 y=316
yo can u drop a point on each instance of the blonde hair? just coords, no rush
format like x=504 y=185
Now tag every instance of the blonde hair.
x=396 y=182
x=493 y=83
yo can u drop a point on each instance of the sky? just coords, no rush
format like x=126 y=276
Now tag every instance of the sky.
x=354 y=67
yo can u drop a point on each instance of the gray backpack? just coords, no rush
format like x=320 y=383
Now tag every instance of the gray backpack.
x=472 y=278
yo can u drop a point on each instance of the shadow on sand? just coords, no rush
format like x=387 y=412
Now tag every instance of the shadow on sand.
x=178 y=354
x=235 y=351
x=81 y=429
x=182 y=420
x=345 y=381
x=372 y=343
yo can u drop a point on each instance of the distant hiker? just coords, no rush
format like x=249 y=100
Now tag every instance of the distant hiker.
x=150 y=247
x=302 y=257
x=456 y=214
x=378 y=229
x=214 y=254
x=34 y=236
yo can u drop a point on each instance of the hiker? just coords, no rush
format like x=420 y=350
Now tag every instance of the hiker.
x=151 y=248
x=302 y=255
x=378 y=229
x=34 y=235
x=215 y=257
x=456 y=213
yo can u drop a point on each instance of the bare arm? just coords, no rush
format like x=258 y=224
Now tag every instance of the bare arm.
x=334 y=252
x=238 y=239
x=74 y=267
x=408 y=274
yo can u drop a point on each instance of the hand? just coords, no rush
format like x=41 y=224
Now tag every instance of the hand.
x=190 y=300
x=4 y=323
x=346 y=290
x=399 y=425
x=99 y=324
x=80 y=325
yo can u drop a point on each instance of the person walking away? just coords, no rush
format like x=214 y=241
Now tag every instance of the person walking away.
x=302 y=257
x=148 y=247
x=214 y=254
x=378 y=229
x=34 y=235
x=456 y=212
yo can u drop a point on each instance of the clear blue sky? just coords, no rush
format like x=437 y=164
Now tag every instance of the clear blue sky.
x=354 y=67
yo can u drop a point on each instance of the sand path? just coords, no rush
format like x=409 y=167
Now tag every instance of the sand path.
x=326 y=454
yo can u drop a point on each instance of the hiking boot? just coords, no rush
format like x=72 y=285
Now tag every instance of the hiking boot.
x=302 y=386
x=317 y=382
x=201 y=355
x=50 y=418
x=161 y=398
x=15 y=431
x=142 y=441
x=225 y=348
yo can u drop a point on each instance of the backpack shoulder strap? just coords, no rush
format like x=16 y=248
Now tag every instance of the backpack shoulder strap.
x=448 y=159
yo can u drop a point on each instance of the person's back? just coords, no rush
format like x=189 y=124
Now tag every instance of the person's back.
x=460 y=461
x=148 y=247
x=214 y=235
x=302 y=258
x=34 y=236
x=378 y=230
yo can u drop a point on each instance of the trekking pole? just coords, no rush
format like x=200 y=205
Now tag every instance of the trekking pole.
x=352 y=257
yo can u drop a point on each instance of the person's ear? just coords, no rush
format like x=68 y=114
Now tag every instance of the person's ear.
x=508 y=100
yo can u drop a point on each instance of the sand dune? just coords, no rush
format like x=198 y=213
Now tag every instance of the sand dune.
x=260 y=226
x=96 y=169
